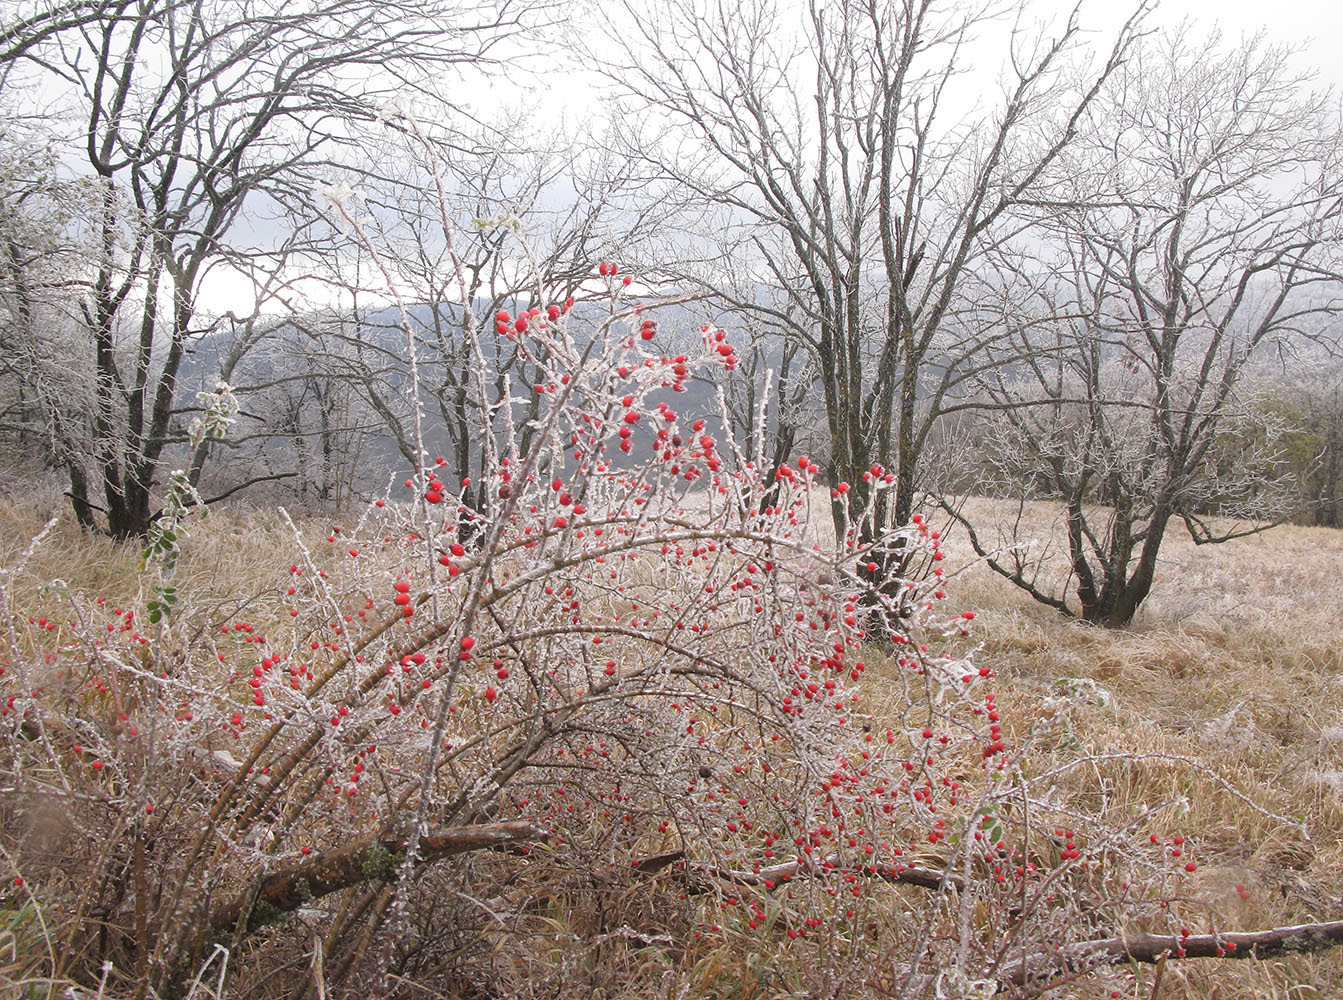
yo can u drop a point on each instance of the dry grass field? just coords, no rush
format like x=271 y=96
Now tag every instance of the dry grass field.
x=1226 y=697
x=1235 y=663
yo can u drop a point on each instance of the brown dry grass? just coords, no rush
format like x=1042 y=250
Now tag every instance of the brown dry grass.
x=1235 y=662
x=231 y=563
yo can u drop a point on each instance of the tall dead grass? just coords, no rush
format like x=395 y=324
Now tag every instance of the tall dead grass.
x=1234 y=664
x=1226 y=696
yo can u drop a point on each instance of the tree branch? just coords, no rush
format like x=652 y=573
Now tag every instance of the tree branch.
x=360 y=860
x=697 y=873
x=249 y=482
x=1152 y=948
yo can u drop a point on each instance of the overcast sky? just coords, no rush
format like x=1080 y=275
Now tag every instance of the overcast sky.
x=1315 y=25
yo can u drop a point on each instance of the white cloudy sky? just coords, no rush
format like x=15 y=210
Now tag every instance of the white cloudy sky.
x=1290 y=20
x=1315 y=25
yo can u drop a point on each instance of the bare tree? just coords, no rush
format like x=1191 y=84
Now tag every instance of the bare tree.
x=1305 y=393
x=578 y=209
x=1194 y=226
x=1320 y=404
x=862 y=199
x=42 y=269
x=303 y=432
x=194 y=113
x=31 y=24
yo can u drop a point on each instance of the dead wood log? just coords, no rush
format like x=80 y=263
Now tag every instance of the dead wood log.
x=1152 y=948
x=699 y=874
x=366 y=859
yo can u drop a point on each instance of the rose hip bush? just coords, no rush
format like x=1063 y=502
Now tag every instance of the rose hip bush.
x=623 y=723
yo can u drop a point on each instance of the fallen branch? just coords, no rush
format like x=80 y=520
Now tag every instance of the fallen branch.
x=363 y=860
x=1152 y=948
x=1148 y=948
x=698 y=872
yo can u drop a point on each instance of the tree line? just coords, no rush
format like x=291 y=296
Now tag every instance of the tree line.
x=1095 y=278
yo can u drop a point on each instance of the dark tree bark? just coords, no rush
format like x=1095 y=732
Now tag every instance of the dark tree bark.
x=867 y=215
x=372 y=858
x=1153 y=948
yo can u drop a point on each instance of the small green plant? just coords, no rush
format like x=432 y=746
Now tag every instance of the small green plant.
x=218 y=410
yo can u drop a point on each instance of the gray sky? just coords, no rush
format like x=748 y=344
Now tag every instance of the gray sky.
x=1314 y=25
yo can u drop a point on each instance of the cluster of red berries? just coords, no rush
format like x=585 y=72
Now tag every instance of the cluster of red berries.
x=609 y=269
x=717 y=342
x=508 y=326
x=1174 y=847
x=995 y=744
x=1070 y=851
x=433 y=493
x=402 y=598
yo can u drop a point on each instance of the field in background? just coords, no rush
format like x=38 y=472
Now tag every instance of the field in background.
x=1235 y=664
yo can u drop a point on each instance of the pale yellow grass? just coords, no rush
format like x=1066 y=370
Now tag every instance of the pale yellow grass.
x=1236 y=663
x=233 y=561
